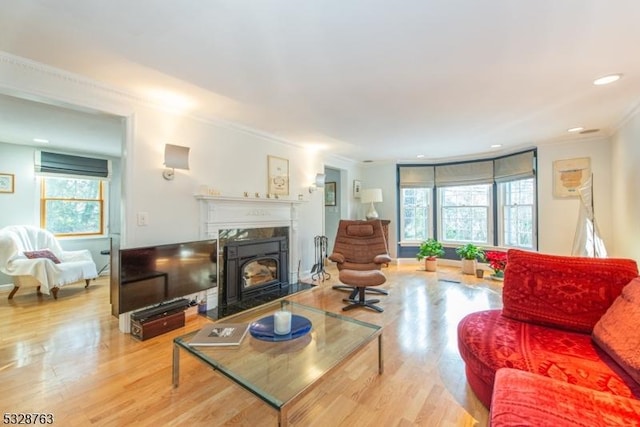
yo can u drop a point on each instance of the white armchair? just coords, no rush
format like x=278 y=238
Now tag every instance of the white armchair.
x=33 y=256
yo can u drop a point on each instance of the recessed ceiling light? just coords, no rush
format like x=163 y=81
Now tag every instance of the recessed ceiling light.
x=496 y=145
x=589 y=131
x=576 y=129
x=41 y=140
x=605 y=80
x=420 y=156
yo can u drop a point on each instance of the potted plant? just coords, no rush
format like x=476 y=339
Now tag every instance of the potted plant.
x=498 y=262
x=430 y=249
x=469 y=254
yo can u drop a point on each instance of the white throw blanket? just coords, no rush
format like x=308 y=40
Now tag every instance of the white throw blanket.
x=15 y=240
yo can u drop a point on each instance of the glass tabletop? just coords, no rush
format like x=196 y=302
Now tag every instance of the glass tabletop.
x=277 y=372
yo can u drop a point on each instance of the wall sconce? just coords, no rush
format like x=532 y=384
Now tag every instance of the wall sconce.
x=319 y=182
x=175 y=157
x=372 y=195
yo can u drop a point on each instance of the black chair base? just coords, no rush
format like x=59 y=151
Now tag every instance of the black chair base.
x=354 y=290
x=361 y=301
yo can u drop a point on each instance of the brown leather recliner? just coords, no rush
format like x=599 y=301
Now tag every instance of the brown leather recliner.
x=360 y=250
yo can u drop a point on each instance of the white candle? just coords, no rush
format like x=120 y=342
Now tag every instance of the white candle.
x=282 y=322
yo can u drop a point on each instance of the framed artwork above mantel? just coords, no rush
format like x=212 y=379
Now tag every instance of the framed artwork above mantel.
x=278 y=171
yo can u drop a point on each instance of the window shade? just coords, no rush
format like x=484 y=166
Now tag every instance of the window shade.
x=416 y=176
x=65 y=164
x=471 y=173
x=518 y=166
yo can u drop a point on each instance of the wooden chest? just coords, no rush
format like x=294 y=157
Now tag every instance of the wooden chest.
x=152 y=327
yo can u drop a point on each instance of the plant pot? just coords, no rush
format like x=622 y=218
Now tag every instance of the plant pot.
x=469 y=266
x=430 y=264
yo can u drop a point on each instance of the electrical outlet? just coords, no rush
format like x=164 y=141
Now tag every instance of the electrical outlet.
x=143 y=219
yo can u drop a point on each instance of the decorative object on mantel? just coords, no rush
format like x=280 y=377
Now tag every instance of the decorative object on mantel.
x=330 y=194
x=278 y=175
x=175 y=157
x=372 y=195
x=7 y=183
x=205 y=190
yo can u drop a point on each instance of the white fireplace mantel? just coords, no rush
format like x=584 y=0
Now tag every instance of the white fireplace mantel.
x=221 y=212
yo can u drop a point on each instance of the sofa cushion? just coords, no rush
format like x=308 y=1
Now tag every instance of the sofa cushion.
x=42 y=253
x=563 y=291
x=489 y=341
x=524 y=399
x=618 y=332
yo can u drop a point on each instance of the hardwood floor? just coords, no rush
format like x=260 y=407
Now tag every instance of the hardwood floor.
x=67 y=357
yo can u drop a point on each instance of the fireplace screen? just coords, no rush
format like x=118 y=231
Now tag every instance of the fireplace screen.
x=259 y=272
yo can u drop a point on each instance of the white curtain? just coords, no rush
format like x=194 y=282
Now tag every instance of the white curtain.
x=587 y=241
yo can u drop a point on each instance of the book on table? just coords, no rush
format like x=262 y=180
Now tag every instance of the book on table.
x=220 y=334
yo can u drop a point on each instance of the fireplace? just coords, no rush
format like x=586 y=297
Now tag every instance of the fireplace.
x=254 y=267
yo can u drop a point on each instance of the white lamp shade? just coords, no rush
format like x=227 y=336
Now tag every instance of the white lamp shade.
x=320 y=180
x=371 y=195
x=176 y=156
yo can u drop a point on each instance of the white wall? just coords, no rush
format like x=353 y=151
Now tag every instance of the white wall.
x=228 y=159
x=21 y=206
x=558 y=217
x=625 y=192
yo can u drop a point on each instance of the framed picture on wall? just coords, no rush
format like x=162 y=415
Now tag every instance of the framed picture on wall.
x=330 y=194
x=7 y=184
x=278 y=171
x=357 y=188
x=569 y=175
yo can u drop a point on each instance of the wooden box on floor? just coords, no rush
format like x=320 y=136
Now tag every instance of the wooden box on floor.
x=152 y=327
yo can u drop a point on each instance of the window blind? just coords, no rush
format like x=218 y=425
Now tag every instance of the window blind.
x=416 y=176
x=518 y=166
x=66 y=164
x=470 y=173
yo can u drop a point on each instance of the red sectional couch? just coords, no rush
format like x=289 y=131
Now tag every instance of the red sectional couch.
x=550 y=307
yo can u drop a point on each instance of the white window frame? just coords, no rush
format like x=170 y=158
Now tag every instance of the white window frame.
x=429 y=208
x=102 y=200
x=489 y=207
x=502 y=204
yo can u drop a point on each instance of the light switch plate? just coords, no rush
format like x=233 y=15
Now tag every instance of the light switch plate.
x=143 y=219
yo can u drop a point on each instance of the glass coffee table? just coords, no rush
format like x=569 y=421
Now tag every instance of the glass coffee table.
x=281 y=373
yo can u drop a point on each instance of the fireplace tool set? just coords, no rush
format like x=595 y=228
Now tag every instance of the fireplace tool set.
x=317 y=271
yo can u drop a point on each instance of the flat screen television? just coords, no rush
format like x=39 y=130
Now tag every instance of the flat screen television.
x=152 y=275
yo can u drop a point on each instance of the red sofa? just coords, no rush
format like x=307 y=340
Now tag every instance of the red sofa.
x=550 y=307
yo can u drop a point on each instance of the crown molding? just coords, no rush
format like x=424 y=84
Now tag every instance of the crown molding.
x=51 y=72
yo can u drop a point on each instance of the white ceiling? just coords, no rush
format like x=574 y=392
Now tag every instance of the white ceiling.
x=364 y=79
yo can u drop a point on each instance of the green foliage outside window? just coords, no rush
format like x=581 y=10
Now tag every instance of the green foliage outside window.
x=72 y=206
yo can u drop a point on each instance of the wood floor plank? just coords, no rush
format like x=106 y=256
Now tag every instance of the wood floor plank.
x=67 y=357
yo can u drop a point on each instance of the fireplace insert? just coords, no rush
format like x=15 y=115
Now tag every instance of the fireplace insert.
x=253 y=267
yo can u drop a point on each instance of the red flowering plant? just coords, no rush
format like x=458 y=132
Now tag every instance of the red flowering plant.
x=497 y=261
